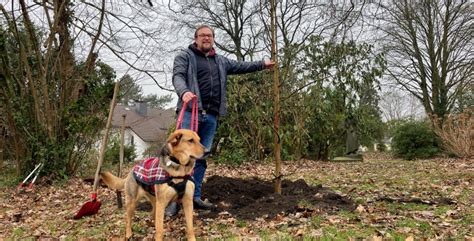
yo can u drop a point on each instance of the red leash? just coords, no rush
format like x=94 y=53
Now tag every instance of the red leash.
x=194 y=116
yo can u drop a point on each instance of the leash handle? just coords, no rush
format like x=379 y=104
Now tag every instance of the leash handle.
x=194 y=115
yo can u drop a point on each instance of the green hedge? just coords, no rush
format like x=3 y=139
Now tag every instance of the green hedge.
x=415 y=139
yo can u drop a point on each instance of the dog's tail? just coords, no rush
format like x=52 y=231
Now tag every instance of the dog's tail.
x=112 y=181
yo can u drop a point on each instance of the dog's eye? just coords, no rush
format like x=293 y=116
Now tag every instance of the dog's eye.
x=191 y=140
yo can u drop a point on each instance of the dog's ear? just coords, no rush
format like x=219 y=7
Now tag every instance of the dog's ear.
x=174 y=139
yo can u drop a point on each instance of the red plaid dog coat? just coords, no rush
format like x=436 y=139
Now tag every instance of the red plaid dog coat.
x=149 y=172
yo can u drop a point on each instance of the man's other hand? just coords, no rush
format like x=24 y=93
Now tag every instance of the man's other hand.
x=269 y=64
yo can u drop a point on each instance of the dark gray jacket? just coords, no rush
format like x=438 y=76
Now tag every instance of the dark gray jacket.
x=185 y=77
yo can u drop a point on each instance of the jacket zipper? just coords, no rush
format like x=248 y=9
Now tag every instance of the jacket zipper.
x=212 y=82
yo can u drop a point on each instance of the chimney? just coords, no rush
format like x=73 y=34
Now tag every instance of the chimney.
x=141 y=107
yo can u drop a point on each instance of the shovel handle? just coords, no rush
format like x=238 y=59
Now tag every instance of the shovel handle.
x=106 y=137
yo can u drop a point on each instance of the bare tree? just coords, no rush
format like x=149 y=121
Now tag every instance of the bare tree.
x=39 y=72
x=133 y=37
x=243 y=26
x=52 y=56
x=429 y=48
x=238 y=28
x=396 y=105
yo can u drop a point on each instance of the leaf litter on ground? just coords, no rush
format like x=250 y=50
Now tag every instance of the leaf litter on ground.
x=381 y=197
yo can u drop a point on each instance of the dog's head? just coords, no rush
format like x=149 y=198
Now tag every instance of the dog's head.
x=185 y=146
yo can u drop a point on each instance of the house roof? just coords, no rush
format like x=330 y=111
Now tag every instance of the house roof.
x=150 y=128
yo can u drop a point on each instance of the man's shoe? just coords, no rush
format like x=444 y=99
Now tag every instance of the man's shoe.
x=200 y=204
x=172 y=209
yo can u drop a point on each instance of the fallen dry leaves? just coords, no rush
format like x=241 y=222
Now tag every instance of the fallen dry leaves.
x=394 y=199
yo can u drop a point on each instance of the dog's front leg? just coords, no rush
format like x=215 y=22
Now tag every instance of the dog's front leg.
x=164 y=194
x=188 y=210
x=160 y=206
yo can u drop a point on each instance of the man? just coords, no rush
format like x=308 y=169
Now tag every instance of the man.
x=199 y=71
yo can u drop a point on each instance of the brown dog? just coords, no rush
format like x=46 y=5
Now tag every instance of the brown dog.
x=177 y=158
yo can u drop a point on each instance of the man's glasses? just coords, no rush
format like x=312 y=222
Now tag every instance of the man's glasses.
x=205 y=36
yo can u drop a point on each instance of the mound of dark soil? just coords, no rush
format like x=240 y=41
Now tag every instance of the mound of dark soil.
x=253 y=198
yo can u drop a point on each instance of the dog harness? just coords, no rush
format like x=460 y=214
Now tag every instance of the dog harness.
x=148 y=172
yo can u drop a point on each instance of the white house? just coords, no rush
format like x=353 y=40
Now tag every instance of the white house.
x=144 y=127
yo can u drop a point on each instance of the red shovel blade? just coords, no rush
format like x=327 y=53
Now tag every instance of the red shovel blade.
x=89 y=208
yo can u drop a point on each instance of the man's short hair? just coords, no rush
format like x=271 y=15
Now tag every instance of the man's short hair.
x=201 y=27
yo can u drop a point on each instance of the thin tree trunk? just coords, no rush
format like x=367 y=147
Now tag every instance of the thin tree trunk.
x=276 y=107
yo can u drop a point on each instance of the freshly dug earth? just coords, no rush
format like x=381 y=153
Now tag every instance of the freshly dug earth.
x=254 y=198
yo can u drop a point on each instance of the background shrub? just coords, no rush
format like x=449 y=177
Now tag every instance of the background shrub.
x=457 y=133
x=381 y=147
x=112 y=152
x=229 y=151
x=415 y=139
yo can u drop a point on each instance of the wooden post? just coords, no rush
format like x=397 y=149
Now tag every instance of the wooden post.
x=122 y=154
x=276 y=100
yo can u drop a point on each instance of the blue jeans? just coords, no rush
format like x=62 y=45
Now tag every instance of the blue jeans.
x=207 y=125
